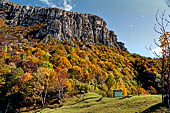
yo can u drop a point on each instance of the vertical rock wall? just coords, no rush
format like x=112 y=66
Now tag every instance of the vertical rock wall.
x=61 y=24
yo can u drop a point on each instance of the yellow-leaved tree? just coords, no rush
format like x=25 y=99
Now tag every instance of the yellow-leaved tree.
x=161 y=27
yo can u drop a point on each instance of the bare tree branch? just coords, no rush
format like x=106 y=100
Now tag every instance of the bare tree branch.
x=162 y=22
x=168 y=4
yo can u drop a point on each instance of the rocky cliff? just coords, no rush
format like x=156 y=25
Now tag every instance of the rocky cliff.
x=61 y=24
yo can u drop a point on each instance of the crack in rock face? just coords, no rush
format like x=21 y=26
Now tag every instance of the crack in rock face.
x=62 y=25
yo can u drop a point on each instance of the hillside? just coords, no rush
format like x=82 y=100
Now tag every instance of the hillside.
x=28 y=69
x=45 y=58
x=90 y=104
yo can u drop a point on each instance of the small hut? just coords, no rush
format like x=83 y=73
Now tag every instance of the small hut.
x=117 y=93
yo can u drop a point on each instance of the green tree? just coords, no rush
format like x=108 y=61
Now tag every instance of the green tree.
x=110 y=81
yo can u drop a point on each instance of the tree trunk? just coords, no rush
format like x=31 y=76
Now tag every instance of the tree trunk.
x=59 y=94
x=62 y=93
x=45 y=95
x=42 y=99
x=168 y=92
x=95 y=87
x=6 y=110
x=167 y=100
x=35 y=103
x=9 y=102
x=163 y=88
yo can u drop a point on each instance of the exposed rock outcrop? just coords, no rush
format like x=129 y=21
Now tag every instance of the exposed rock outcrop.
x=61 y=24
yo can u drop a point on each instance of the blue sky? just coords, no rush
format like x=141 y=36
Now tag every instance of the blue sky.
x=132 y=20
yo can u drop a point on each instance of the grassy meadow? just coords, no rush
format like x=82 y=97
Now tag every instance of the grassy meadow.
x=94 y=103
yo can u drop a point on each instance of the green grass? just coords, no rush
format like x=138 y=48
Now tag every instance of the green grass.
x=89 y=104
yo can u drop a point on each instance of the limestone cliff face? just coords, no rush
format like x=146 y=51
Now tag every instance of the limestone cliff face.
x=61 y=24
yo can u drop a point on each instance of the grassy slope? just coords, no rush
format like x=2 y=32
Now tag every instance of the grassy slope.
x=89 y=104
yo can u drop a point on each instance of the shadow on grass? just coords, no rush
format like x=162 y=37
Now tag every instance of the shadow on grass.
x=85 y=100
x=153 y=108
x=98 y=100
x=125 y=97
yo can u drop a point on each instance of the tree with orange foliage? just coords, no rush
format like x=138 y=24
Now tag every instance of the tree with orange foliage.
x=164 y=44
x=60 y=78
x=24 y=78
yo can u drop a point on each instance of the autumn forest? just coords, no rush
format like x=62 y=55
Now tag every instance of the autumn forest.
x=35 y=72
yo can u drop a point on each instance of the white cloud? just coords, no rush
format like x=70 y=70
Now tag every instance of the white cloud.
x=66 y=4
x=142 y=16
x=132 y=26
x=155 y=51
x=48 y=2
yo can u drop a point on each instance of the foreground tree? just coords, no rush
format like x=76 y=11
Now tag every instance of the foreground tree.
x=110 y=81
x=41 y=83
x=164 y=44
x=59 y=81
